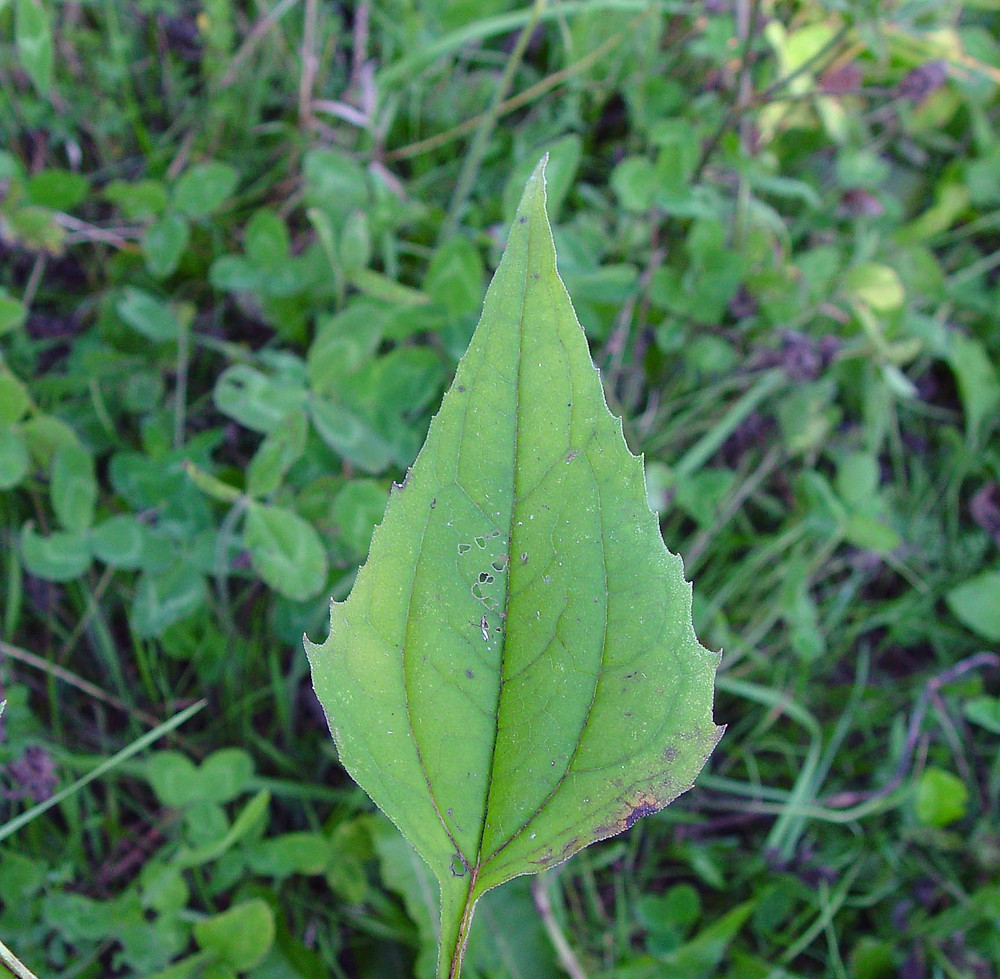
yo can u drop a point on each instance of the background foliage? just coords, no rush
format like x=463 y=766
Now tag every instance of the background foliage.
x=243 y=246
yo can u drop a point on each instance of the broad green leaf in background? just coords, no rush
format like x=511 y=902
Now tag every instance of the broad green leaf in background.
x=285 y=551
x=941 y=798
x=59 y=556
x=12 y=312
x=33 y=37
x=14 y=458
x=74 y=487
x=145 y=313
x=976 y=604
x=164 y=243
x=204 y=187
x=515 y=674
x=240 y=936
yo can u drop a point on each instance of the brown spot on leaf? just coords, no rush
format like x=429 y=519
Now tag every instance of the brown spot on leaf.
x=646 y=805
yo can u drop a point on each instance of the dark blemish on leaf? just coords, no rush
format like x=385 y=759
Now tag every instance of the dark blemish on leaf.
x=524 y=557
x=522 y=219
x=644 y=806
x=461 y=389
x=535 y=275
x=572 y=455
x=469 y=675
x=434 y=502
x=670 y=753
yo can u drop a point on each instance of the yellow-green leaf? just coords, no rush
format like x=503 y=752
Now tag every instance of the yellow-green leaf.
x=515 y=674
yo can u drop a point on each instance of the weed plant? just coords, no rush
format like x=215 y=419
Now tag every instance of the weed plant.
x=242 y=247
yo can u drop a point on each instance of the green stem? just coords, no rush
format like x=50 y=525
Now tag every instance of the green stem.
x=457 y=909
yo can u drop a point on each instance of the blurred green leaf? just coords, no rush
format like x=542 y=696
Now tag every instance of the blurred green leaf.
x=874 y=284
x=204 y=188
x=120 y=541
x=59 y=556
x=266 y=239
x=455 y=277
x=163 y=244
x=256 y=400
x=356 y=509
x=33 y=38
x=355 y=242
x=164 y=597
x=12 y=312
x=241 y=936
x=941 y=798
x=74 y=487
x=984 y=711
x=978 y=383
x=178 y=783
x=634 y=183
x=286 y=551
x=334 y=181
x=58 y=189
x=14 y=458
x=139 y=200
x=14 y=397
x=976 y=604
x=291 y=853
x=155 y=320
x=276 y=454
x=351 y=436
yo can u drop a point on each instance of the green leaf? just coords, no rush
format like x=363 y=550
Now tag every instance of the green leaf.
x=976 y=604
x=356 y=509
x=254 y=399
x=120 y=541
x=276 y=454
x=12 y=312
x=74 y=487
x=58 y=189
x=978 y=382
x=146 y=314
x=286 y=551
x=984 y=711
x=139 y=200
x=221 y=777
x=204 y=187
x=241 y=936
x=266 y=239
x=33 y=37
x=291 y=853
x=14 y=458
x=60 y=556
x=351 y=436
x=164 y=243
x=941 y=799
x=454 y=277
x=14 y=396
x=876 y=285
x=165 y=598
x=334 y=180
x=515 y=674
